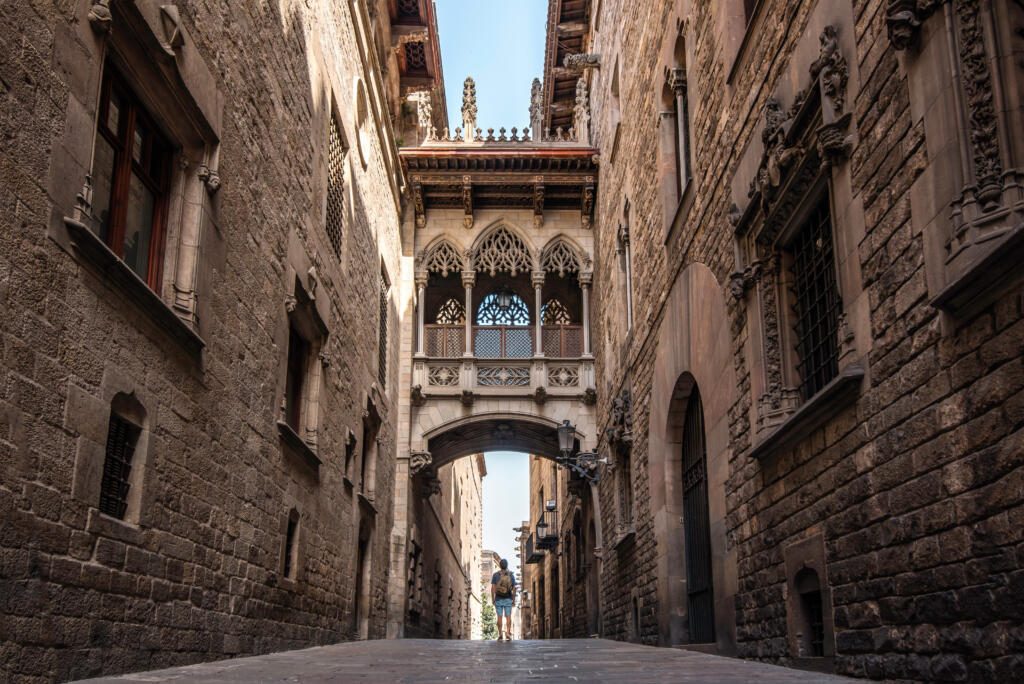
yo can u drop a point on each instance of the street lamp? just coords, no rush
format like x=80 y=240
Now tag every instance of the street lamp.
x=503 y=297
x=583 y=463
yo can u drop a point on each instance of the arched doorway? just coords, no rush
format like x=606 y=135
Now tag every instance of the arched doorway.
x=700 y=595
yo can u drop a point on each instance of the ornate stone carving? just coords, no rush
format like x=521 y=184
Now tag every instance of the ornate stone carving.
x=619 y=433
x=779 y=155
x=835 y=144
x=503 y=250
x=589 y=397
x=588 y=203
x=536 y=108
x=903 y=19
x=676 y=80
x=419 y=461
x=418 y=207
x=831 y=71
x=540 y=395
x=467 y=398
x=538 y=202
x=424 y=114
x=417 y=396
x=560 y=258
x=209 y=178
x=100 y=17
x=581 y=61
x=469 y=109
x=581 y=112
x=290 y=303
x=981 y=112
x=444 y=259
x=170 y=20
x=775 y=406
x=467 y=202
x=741 y=282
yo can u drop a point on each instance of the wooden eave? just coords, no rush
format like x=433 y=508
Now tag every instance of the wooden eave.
x=568 y=28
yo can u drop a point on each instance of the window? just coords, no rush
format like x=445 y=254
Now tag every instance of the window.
x=816 y=301
x=298 y=358
x=131 y=180
x=122 y=437
x=290 y=545
x=554 y=312
x=502 y=308
x=626 y=264
x=336 y=153
x=382 y=360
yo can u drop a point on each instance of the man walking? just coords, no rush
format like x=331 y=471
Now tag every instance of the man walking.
x=503 y=595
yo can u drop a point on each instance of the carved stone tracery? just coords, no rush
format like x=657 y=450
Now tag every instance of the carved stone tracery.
x=503 y=251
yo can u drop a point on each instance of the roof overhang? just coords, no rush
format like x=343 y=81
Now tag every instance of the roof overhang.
x=568 y=28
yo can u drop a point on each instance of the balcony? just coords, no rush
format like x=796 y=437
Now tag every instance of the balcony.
x=547 y=528
x=532 y=554
x=503 y=341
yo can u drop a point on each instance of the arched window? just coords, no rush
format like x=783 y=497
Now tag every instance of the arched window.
x=502 y=308
x=555 y=313
x=452 y=312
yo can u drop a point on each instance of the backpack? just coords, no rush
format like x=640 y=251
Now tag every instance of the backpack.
x=505 y=585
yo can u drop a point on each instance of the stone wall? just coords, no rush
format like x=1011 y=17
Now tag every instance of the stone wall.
x=905 y=497
x=199 y=576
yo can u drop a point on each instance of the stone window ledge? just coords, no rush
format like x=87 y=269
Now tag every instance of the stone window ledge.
x=367 y=504
x=105 y=526
x=95 y=252
x=814 y=413
x=983 y=280
x=683 y=208
x=298 y=446
x=625 y=536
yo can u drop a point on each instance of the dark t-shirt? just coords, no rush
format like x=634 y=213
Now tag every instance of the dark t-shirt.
x=496 y=577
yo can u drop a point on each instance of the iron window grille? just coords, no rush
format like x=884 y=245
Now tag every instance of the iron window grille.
x=817 y=302
x=335 y=188
x=382 y=361
x=490 y=312
x=122 y=436
x=415 y=57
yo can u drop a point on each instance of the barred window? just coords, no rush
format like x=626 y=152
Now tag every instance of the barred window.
x=122 y=436
x=290 y=547
x=817 y=301
x=382 y=361
x=335 y=187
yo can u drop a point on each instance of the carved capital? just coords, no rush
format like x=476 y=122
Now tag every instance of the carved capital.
x=100 y=18
x=676 y=80
x=586 y=278
x=468 y=278
x=537 y=278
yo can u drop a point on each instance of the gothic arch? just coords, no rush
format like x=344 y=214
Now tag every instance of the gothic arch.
x=503 y=247
x=443 y=256
x=563 y=255
x=693 y=350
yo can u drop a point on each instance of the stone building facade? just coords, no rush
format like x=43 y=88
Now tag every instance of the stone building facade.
x=198 y=273
x=443 y=595
x=808 y=223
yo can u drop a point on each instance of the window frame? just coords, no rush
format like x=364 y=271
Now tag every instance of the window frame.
x=133 y=111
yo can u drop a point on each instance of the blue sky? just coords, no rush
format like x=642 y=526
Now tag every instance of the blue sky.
x=506 y=502
x=501 y=45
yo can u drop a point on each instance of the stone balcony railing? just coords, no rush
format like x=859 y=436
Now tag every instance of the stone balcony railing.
x=558 y=377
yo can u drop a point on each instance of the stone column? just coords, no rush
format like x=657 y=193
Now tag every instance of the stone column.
x=421 y=289
x=677 y=81
x=468 y=280
x=538 y=284
x=585 y=281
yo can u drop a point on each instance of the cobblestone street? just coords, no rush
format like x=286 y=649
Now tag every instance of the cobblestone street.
x=420 y=660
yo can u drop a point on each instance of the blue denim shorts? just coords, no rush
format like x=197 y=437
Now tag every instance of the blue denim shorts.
x=503 y=606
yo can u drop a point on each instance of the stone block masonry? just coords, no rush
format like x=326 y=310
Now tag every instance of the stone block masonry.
x=196 y=571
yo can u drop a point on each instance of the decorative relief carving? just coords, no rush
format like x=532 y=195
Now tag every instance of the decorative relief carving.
x=419 y=461
x=831 y=71
x=417 y=397
x=581 y=112
x=582 y=61
x=503 y=376
x=469 y=109
x=779 y=154
x=741 y=282
x=560 y=258
x=443 y=376
x=467 y=397
x=501 y=251
x=540 y=396
x=564 y=376
x=977 y=84
x=903 y=19
x=100 y=17
x=210 y=178
x=589 y=397
x=834 y=143
x=588 y=203
x=619 y=433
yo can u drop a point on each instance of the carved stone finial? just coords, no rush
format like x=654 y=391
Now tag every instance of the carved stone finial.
x=469 y=108
x=581 y=112
x=100 y=17
x=536 y=108
x=581 y=61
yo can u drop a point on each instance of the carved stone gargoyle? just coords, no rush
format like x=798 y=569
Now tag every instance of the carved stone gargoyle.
x=619 y=433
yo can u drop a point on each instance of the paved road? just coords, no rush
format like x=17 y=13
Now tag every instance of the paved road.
x=418 y=661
